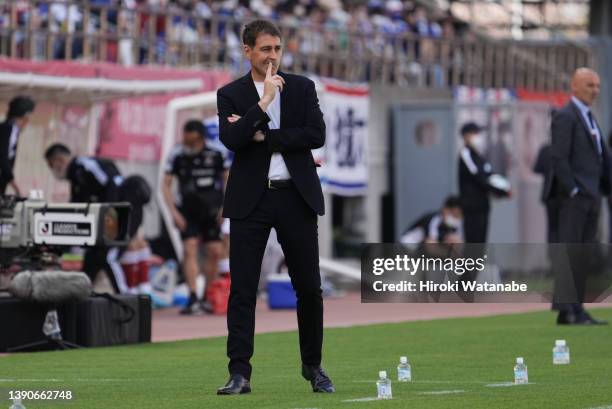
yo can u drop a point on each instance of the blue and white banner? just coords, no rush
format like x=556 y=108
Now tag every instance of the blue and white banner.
x=344 y=163
x=213 y=142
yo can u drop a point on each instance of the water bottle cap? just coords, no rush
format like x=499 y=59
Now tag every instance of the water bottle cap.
x=560 y=342
x=403 y=360
x=520 y=360
x=382 y=374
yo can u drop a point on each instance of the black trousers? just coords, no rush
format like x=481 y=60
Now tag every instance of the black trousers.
x=296 y=227
x=3 y=185
x=475 y=225
x=552 y=216
x=578 y=219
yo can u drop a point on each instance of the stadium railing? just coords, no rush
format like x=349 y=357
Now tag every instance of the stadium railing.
x=90 y=32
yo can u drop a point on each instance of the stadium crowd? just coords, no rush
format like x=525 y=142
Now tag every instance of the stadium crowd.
x=312 y=27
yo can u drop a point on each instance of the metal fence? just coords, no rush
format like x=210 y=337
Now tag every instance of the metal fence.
x=139 y=36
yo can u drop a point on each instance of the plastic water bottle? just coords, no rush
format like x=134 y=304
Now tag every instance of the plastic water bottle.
x=17 y=404
x=561 y=353
x=383 y=385
x=520 y=372
x=404 y=373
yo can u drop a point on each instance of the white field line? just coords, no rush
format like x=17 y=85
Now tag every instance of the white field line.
x=602 y=407
x=441 y=392
x=361 y=399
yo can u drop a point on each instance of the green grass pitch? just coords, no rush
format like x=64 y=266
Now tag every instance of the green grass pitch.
x=453 y=362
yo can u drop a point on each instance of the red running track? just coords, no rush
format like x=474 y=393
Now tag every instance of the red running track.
x=346 y=311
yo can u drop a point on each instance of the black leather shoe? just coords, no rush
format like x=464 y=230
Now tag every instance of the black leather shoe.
x=318 y=379
x=592 y=321
x=236 y=385
x=565 y=318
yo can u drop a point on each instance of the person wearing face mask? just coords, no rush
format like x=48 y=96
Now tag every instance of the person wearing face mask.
x=19 y=111
x=441 y=226
x=201 y=174
x=476 y=183
x=94 y=180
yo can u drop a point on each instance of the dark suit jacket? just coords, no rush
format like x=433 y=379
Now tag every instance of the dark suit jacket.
x=576 y=160
x=544 y=166
x=301 y=129
x=6 y=165
x=93 y=180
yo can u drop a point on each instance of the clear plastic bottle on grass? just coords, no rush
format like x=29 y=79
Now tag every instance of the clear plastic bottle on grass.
x=17 y=404
x=404 y=373
x=520 y=372
x=561 y=353
x=383 y=386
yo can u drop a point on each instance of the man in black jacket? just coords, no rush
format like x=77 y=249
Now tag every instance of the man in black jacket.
x=272 y=121
x=93 y=180
x=17 y=117
x=476 y=183
x=581 y=177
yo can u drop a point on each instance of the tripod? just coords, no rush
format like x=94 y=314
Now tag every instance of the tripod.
x=53 y=336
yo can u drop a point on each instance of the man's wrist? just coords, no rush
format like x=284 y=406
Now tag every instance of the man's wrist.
x=264 y=103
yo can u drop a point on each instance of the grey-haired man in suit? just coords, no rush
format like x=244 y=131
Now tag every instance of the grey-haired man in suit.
x=581 y=177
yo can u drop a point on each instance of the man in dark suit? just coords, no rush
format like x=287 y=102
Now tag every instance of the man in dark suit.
x=17 y=117
x=581 y=177
x=272 y=121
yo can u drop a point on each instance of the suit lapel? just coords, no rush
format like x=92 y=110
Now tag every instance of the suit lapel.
x=251 y=97
x=285 y=99
x=587 y=129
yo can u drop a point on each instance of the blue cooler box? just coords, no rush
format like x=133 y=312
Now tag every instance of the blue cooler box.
x=280 y=292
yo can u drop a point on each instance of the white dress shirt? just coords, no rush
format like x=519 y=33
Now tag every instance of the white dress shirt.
x=278 y=170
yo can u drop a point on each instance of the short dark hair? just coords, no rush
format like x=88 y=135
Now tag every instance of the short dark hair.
x=55 y=150
x=452 y=202
x=195 y=125
x=20 y=106
x=255 y=28
x=470 y=128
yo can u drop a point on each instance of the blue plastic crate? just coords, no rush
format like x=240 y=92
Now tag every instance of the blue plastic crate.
x=280 y=292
